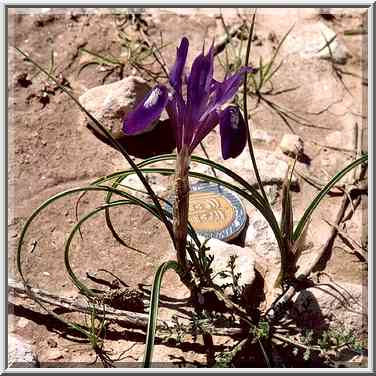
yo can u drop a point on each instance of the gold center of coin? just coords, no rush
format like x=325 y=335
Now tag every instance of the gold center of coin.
x=209 y=211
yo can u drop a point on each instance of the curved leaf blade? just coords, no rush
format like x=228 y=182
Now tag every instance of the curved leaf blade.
x=153 y=313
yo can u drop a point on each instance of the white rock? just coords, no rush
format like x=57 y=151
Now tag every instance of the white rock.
x=339 y=304
x=310 y=40
x=332 y=162
x=272 y=168
x=260 y=237
x=292 y=145
x=20 y=353
x=244 y=263
x=110 y=103
x=159 y=184
x=346 y=137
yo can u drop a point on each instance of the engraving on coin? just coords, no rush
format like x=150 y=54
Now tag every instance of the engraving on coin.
x=215 y=211
x=208 y=211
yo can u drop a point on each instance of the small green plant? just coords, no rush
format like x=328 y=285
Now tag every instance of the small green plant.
x=96 y=335
x=234 y=284
x=262 y=330
x=325 y=342
x=340 y=337
x=307 y=340
x=140 y=54
x=202 y=268
x=260 y=85
x=178 y=328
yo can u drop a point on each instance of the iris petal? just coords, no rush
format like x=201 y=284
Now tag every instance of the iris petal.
x=176 y=71
x=200 y=80
x=175 y=109
x=147 y=111
x=197 y=81
x=222 y=92
x=194 y=116
x=233 y=132
x=198 y=92
x=204 y=129
x=228 y=88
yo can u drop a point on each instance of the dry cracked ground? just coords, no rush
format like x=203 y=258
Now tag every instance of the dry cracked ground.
x=321 y=96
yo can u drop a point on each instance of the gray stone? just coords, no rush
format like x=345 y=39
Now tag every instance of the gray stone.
x=20 y=353
x=110 y=103
x=292 y=145
x=337 y=304
x=244 y=263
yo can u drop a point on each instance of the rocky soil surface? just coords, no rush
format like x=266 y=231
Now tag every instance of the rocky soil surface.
x=51 y=150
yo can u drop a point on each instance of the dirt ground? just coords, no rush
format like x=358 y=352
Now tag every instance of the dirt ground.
x=49 y=150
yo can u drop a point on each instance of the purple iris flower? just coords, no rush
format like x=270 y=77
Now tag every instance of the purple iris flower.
x=195 y=114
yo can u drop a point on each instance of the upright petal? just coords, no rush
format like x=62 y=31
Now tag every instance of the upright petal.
x=147 y=111
x=198 y=92
x=200 y=81
x=233 y=132
x=228 y=88
x=176 y=71
x=204 y=129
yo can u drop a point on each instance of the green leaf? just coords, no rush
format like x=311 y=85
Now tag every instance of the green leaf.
x=315 y=202
x=245 y=110
x=153 y=310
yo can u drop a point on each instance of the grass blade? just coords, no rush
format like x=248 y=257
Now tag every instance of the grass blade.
x=153 y=313
x=101 y=59
x=315 y=202
x=245 y=109
x=277 y=51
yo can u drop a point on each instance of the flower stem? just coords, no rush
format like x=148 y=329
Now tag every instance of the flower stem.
x=180 y=211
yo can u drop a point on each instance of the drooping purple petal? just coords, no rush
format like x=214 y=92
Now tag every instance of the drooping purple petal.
x=204 y=129
x=233 y=132
x=147 y=111
x=176 y=71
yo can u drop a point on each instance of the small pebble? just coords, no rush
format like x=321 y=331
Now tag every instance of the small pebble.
x=292 y=145
x=22 y=322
